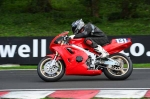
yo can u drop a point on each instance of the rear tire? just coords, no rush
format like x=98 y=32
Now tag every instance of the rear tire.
x=123 y=72
x=50 y=74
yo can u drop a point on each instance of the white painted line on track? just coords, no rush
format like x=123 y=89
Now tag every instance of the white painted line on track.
x=27 y=94
x=121 y=93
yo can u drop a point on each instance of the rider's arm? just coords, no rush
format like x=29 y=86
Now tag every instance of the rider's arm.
x=81 y=35
x=85 y=33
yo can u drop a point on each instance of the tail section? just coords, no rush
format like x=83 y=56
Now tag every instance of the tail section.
x=118 y=45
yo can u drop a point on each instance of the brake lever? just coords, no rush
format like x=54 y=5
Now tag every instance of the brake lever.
x=67 y=39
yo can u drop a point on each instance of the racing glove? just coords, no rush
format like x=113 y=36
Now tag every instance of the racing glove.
x=71 y=36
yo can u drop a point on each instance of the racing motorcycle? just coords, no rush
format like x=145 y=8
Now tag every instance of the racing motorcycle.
x=74 y=57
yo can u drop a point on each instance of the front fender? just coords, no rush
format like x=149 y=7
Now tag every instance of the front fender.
x=53 y=55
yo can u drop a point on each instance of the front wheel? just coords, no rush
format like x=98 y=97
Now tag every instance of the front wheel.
x=119 y=72
x=48 y=72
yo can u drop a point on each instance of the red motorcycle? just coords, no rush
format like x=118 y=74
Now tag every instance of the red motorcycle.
x=73 y=57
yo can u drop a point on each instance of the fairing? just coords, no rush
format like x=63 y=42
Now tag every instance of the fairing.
x=73 y=67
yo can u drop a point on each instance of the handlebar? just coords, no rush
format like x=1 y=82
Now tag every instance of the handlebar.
x=63 y=40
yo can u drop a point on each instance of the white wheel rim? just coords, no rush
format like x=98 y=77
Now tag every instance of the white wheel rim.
x=51 y=72
x=121 y=70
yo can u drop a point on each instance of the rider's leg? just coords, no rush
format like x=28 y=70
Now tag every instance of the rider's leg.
x=97 y=48
x=103 y=52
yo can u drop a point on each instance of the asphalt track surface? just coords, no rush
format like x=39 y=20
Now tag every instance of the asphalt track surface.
x=28 y=79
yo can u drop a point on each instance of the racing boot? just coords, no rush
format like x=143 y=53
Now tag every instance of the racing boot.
x=99 y=49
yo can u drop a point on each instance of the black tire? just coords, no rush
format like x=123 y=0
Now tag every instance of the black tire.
x=50 y=77
x=124 y=76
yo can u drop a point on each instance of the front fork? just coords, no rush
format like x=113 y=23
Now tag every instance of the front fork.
x=54 y=59
x=50 y=66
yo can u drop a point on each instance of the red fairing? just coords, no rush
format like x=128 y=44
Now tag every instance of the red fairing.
x=70 y=54
x=72 y=66
x=52 y=42
x=117 y=45
x=80 y=42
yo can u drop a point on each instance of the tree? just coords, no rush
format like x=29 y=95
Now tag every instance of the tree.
x=129 y=8
x=1 y=2
x=40 y=6
x=92 y=6
x=95 y=8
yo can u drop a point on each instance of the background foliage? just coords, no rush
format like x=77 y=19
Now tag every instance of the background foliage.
x=51 y=17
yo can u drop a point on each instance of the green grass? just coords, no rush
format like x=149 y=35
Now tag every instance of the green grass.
x=141 y=65
x=48 y=24
x=15 y=19
x=35 y=66
x=135 y=26
x=19 y=67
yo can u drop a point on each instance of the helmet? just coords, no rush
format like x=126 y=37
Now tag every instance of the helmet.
x=77 y=26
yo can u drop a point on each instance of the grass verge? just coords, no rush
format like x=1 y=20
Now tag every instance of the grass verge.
x=45 y=24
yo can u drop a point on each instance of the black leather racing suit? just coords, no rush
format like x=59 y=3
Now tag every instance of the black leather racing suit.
x=93 y=36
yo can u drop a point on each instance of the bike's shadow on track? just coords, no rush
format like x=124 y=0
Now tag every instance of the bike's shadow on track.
x=86 y=78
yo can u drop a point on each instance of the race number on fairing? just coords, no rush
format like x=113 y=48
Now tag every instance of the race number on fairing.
x=122 y=40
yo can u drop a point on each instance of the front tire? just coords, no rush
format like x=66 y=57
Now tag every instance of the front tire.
x=53 y=73
x=123 y=71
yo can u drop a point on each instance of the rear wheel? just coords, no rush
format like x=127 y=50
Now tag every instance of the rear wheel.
x=119 y=72
x=50 y=73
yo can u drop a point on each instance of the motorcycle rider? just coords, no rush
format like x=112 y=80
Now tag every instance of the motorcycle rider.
x=94 y=37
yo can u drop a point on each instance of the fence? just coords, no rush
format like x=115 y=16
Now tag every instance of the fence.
x=30 y=50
